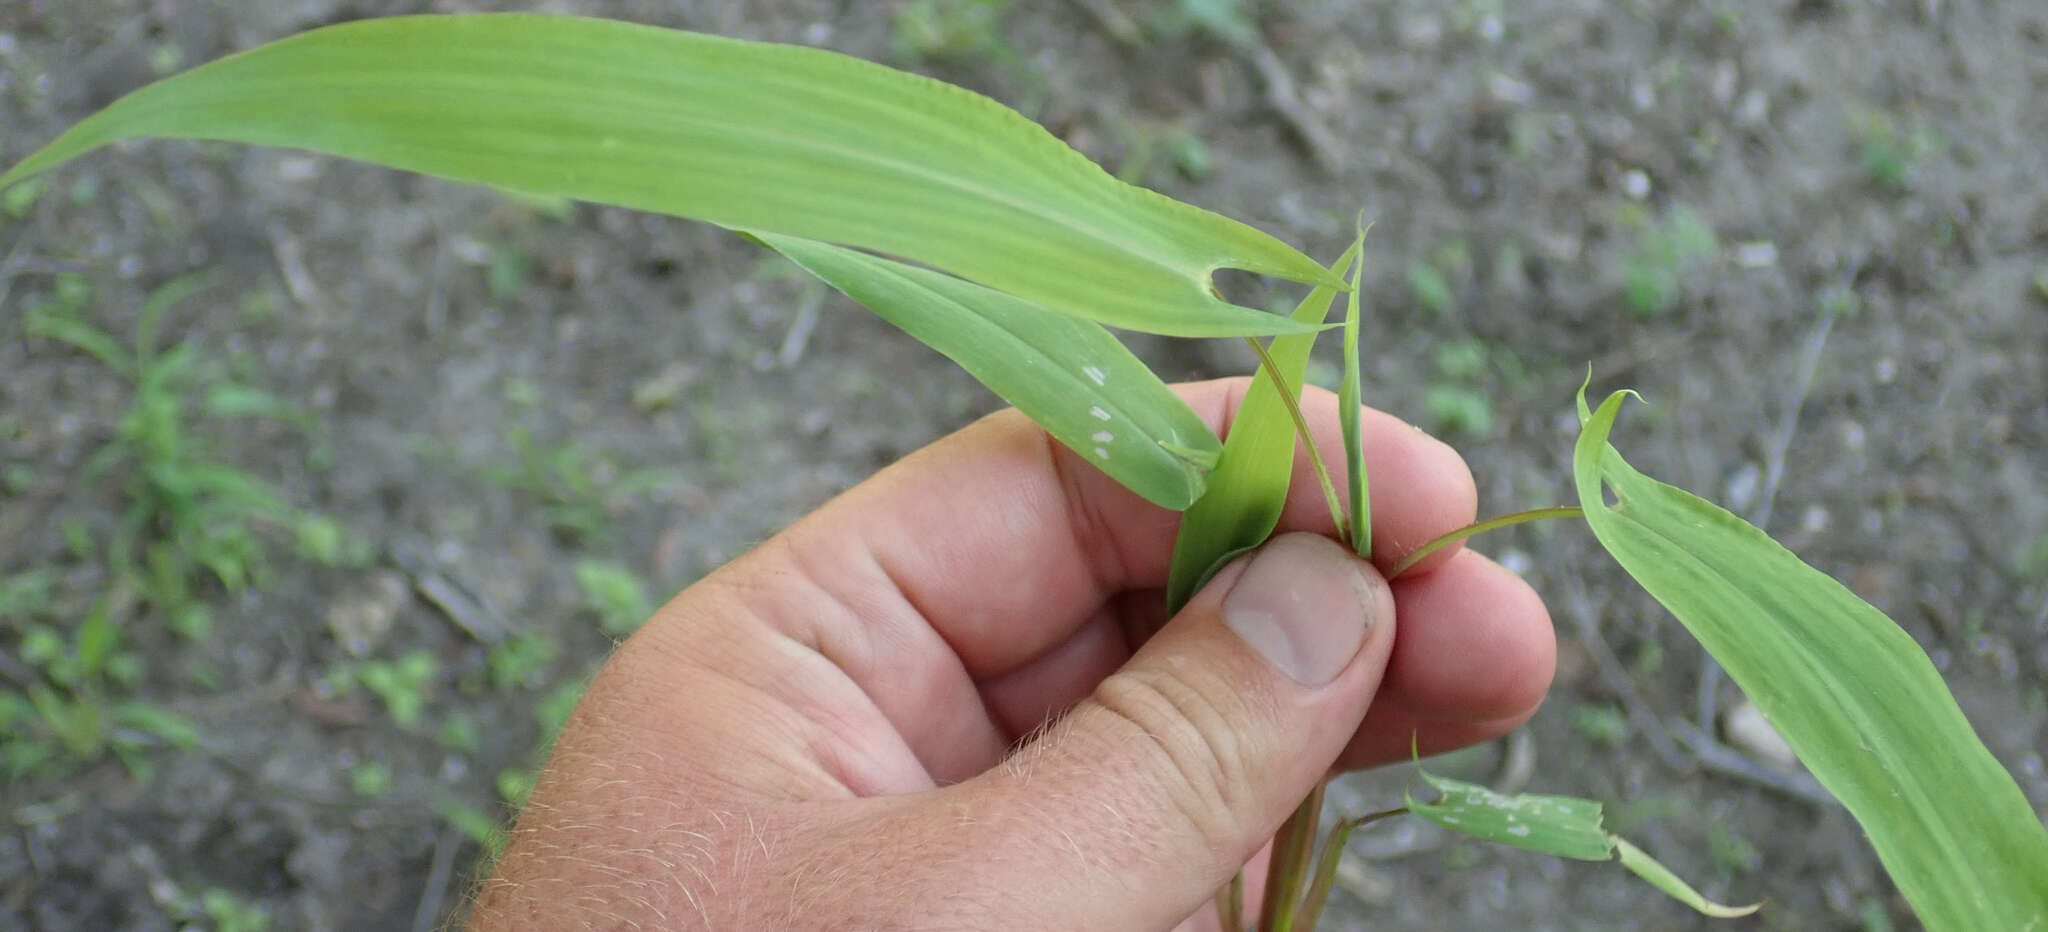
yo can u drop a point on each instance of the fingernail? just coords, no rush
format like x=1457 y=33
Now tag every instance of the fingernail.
x=1304 y=605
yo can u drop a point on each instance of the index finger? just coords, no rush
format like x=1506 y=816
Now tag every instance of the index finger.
x=1005 y=541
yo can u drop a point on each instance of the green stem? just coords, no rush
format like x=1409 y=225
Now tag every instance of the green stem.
x=1520 y=517
x=1326 y=864
x=1287 y=396
x=1230 y=903
x=1287 y=873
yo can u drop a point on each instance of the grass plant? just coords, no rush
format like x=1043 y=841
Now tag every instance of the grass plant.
x=983 y=235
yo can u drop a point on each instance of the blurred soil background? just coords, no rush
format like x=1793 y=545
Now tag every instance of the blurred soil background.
x=324 y=487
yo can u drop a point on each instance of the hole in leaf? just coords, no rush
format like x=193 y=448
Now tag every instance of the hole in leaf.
x=1248 y=288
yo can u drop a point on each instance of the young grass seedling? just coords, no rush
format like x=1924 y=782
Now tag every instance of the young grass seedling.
x=1665 y=259
x=578 y=488
x=401 y=685
x=1009 y=234
x=72 y=708
x=614 y=595
x=188 y=515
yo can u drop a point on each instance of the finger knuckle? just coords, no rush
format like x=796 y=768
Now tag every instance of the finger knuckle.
x=1184 y=738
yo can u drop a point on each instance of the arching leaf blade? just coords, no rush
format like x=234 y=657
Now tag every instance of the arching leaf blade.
x=781 y=138
x=1069 y=375
x=1852 y=692
x=1248 y=488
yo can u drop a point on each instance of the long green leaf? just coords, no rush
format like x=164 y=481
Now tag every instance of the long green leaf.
x=1069 y=375
x=1248 y=488
x=1849 y=690
x=768 y=137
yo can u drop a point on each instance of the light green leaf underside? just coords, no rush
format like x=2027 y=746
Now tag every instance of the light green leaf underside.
x=1565 y=826
x=1854 y=695
x=745 y=134
x=1248 y=488
x=1071 y=376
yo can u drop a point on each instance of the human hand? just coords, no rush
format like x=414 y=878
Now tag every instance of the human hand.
x=950 y=698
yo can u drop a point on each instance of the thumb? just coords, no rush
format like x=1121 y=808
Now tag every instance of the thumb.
x=1145 y=798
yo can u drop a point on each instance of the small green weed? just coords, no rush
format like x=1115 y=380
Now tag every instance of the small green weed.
x=518 y=660
x=1431 y=278
x=1669 y=253
x=1838 y=301
x=1228 y=21
x=506 y=273
x=19 y=200
x=1152 y=154
x=965 y=34
x=1649 y=660
x=166 y=58
x=1428 y=286
x=578 y=488
x=552 y=711
x=402 y=685
x=487 y=831
x=1601 y=723
x=1457 y=399
x=370 y=779
x=188 y=515
x=459 y=733
x=950 y=30
x=75 y=705
x=222 y=909
x=521 y=393
x=1730 y=851
x=1459 y=409
x=1891 y=155
x=2033 y=561
x=515 y=784
x=324 y=541
x=717 y=442
x=614 y=595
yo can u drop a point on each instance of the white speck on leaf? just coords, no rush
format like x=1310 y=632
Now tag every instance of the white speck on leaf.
x=1519 y=831
x=1101 y=453
x=1103 y=436
x=1095 y=374
x=1100 y=414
